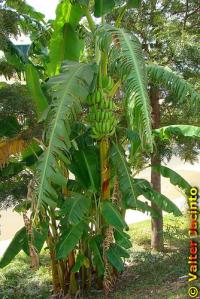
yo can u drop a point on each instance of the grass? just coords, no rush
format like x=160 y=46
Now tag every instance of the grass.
x=146 y=276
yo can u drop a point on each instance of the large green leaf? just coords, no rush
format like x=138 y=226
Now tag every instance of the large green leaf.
x=69 y=240
x=177 y=130
x=144 y=188
x=14 y=247
x=65 y=13
x=114 y=255
x=174 y=83
x=72 y=44
x=79 y=263
x=129 y=194
x=67 y=89
x=40 y=235
x=33 y=84
x=173 y=176
x=86 y=168
x=103 y=7
x=76 y=207
x=126 y=54
x=95 y=244
x=122 y=239
x=112 y=215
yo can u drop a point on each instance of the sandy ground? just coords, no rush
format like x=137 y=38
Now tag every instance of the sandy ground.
x=10 y=221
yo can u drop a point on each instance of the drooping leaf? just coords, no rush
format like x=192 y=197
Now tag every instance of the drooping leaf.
x=33 y=84
x=125 y=53
x=69 y=240
x=14 y=247
x=173 y=176
x=144 y=188
x=129 y=194
x=114 y=256
x=40 y=235
x=122 y=239
x=80 y=261
x=178 y=130
x=76 y=207
x=112 y=215
x=94 y=244
x=68 y=89
x=174 y=83
x=102 y=7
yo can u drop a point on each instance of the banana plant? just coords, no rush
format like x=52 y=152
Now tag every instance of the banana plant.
x=84 y=181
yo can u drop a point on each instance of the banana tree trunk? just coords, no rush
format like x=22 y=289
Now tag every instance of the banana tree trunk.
x=34 y=256
x=156 y=223
x=105 y=195
x=105 y=168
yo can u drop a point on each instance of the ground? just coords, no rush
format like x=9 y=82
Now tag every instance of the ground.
x=147 y=275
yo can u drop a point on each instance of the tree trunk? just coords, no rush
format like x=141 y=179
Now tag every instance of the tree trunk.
x=108 y=279
x=156 y=223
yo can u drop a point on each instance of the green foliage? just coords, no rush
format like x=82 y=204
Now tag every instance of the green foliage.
x=143 y=187
x=102 y=7
x=122 y=239
x=76 y=208
x=134 y=3
x=65 y=108
x=112 y=215
x=115 y=254
x=33 y=84
x=94 y=244
x=9 y=126
x=126 y=182
x=70 y=14
x=178 y=130
x=85 y=166
x=24 y=9
x=174 y=83
x=14 y=247
x=72 y=45
x=131 y=67
x=69 y=240
x=79 y=263
x=174 y=177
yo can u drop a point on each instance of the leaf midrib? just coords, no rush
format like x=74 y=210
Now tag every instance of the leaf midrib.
x=127 y=173
x=139 y=79
x=53 y=131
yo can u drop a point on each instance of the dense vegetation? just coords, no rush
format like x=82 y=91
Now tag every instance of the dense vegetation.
x=92 y=90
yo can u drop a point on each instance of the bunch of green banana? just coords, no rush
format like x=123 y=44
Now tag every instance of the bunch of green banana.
x=101 y=116
x=107 y=84
x=95 y=98
x=104 y=128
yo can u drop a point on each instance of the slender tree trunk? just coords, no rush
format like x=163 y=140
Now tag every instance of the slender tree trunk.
x=54 y=268
x=156 y=223
x=35 y=261
x=109 y=278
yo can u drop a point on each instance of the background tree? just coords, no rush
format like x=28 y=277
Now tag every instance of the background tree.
x=169 y=34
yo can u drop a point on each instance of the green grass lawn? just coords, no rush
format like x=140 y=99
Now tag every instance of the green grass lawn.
x=146 y=276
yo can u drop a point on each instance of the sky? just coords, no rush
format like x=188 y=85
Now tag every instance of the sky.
x=47 y=7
